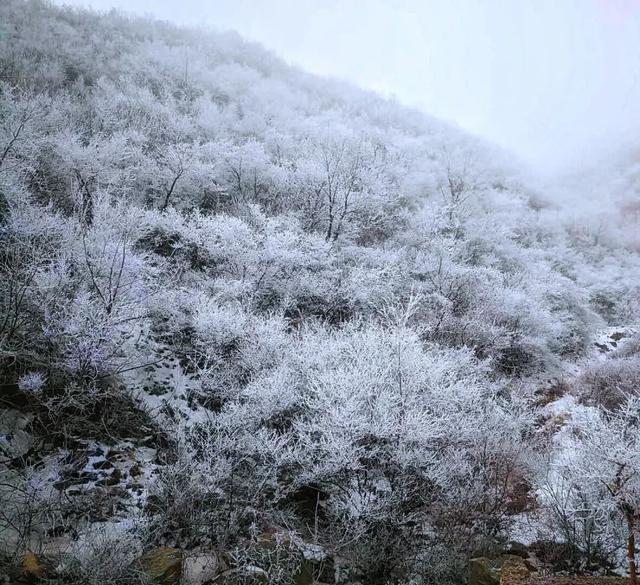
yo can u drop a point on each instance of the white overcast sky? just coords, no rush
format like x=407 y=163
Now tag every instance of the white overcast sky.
x=555 y=81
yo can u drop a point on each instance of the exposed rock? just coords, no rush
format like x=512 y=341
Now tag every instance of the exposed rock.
x=514 y=570
x=200 y=568
x=15 y=441
x=163 y=565
x=484 y=571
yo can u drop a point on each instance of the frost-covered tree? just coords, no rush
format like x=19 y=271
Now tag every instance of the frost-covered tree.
x=595 y=478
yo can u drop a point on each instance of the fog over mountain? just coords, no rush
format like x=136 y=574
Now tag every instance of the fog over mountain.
x=557 y=82
x=263 y=326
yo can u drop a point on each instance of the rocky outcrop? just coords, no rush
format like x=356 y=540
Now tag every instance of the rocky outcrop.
x=200 y=568
x=163 y=565
x=506 y=568
x=514 y=569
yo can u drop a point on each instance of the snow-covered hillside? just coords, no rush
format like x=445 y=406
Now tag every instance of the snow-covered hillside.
x=286 y=329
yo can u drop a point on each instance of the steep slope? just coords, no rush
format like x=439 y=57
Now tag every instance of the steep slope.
x=270 y=320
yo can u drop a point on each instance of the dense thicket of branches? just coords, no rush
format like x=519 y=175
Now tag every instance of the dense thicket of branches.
x=364 y=300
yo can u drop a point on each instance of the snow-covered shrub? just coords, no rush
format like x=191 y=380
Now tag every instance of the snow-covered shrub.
x=610 y=383
x=593 y=486
x=109 y=551
x=369 y=423
x=187 y=502
x=357 y=294
x=32 y=382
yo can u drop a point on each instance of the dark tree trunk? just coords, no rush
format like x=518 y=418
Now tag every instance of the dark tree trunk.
x=631 y=549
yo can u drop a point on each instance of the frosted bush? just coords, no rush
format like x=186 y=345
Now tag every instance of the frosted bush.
x=33 y=382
